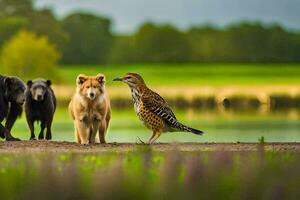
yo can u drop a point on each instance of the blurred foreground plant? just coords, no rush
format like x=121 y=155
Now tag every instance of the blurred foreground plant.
x=145 y=174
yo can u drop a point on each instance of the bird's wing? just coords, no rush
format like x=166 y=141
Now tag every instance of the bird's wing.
x=160 y=107
x=156 y=104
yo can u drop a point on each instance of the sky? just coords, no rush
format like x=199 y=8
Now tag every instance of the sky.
x=127 y=15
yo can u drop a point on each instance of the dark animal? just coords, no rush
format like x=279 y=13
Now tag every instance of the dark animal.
x=12 y=98
x=40 y=106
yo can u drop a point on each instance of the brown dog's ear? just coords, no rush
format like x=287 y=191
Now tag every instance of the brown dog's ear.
x=100 y=78
x=81 y=78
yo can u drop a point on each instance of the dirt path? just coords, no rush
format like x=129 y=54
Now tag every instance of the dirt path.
x=47 y=146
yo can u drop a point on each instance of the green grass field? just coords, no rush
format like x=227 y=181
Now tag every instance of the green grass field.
x=193 y=74
x=148 y=174
x=220 y=127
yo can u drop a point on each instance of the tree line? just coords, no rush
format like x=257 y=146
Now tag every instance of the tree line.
x=85 y=38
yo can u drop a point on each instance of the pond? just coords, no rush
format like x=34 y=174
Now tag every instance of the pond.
x=219 y=126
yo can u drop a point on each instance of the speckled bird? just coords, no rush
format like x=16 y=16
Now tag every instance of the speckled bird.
x=152 y=109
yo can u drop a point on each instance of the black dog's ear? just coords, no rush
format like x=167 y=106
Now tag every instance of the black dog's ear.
x=48 y=82
x=8 y=81
x=29 y=83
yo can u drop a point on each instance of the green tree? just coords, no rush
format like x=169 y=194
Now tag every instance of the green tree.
x=43 y=22
x=283 y=46
x=15 y=7
x=90 y=39
x=10 y=26
x=163 y=43
x=29 y=56
x=122 y=51
x=244 y=43
x=206 y=44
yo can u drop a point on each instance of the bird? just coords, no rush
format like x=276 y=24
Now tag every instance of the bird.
x=152 y=109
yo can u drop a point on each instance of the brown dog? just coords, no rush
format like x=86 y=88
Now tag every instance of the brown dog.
x=90 y=109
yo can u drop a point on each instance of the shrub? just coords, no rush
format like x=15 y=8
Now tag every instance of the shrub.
x=29 y=56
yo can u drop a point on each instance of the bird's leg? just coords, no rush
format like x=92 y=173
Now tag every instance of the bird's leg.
x=154 y=137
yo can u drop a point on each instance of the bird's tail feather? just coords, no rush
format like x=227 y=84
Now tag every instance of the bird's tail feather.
x=191 y=130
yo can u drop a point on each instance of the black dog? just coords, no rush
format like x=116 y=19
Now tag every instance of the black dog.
x=12 y=98
x=40 y=106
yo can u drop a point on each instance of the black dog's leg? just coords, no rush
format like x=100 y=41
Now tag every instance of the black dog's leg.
x=48 y=133
x=7 y=134
x=4 y=131
x=1 y=119
x=3 y=113
x=2 y=135
x=41 y=135
x=14 y=113
x=30 y=123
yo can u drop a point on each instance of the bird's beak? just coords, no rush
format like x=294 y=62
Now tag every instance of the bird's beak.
x=118 y=79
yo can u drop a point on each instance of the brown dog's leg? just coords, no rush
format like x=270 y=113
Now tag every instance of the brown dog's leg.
x=94 y=131
x=102 y=131
x=83 y=131
x=77 y=137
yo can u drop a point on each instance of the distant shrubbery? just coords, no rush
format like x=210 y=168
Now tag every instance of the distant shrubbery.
x=90 y=39
x=85 y=38
x=29 y=56
x=240 y=43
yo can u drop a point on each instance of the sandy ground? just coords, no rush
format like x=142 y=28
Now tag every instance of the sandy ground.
x=51 y=146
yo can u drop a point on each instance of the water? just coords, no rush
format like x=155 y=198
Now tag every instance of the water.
x=219 y=126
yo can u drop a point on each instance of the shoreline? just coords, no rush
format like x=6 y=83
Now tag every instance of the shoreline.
x=72 y=147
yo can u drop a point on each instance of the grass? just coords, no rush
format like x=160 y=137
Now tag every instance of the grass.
x=146 y=174
x=193 y=74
